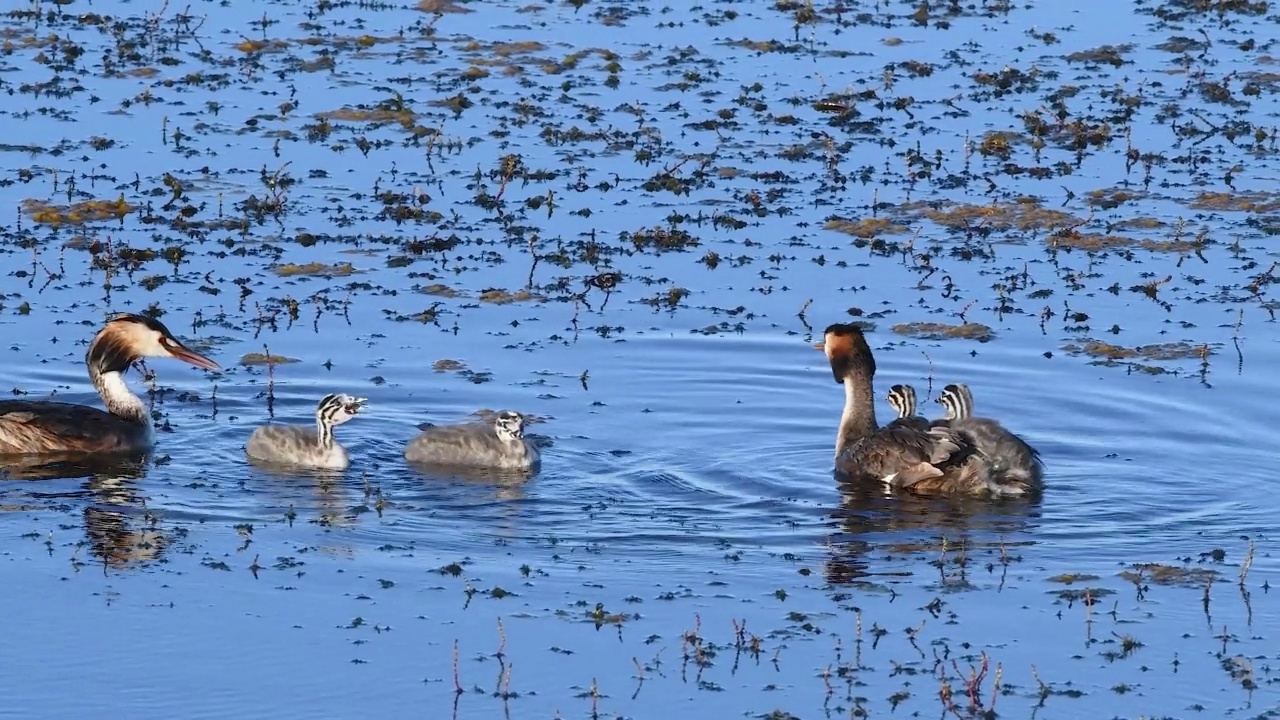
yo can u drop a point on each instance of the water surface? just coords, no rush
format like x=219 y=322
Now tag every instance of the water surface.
x=509 y=187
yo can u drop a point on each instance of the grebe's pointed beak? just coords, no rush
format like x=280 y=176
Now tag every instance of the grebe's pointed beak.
x=178 y=351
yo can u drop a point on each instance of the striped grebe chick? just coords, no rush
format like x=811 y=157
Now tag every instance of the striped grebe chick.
x=1016 y=468
x=498 y=444
x=902 y=398
x=304 y=446
x=39 y=427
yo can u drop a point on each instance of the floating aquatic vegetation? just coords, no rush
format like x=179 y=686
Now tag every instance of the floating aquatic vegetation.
x=78 y=213
x=442 y=7
x=254 y=359
x=498 y=296
x=1105 y=55
x=1091 y=241
x=262 y=46
x=1113 y=198
x=1255 y=201
x=398 y=115
x=943 y=331
x=671 y=299
x=661 y=240
x=314 y=268
x=1024 y=214
x=438 y=290
x=1000 y=144
x=866 y=227
x=1177 y=247
x=1087 y=595
x=1072 y=578
x=1008 y=80
x=1161 y=574
x=475 y=377
x=1160 y=351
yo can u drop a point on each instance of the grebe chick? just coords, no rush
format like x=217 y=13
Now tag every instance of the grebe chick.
x=304 y=446
x=902 y=398
x=1015 y=466
x=902 y=456
x=38 y=427
x=500 y=444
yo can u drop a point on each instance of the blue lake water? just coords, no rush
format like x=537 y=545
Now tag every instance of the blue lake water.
x=684 y=547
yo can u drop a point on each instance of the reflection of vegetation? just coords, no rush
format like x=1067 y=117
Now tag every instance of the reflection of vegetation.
x=120 y=539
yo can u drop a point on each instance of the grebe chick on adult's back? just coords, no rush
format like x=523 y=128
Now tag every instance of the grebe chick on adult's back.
x=304 y=446
x=37 y=427
x=1016 y=468
x=500 y=444
x=902 y=398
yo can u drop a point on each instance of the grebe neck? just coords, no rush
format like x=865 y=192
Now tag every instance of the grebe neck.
x=859 y=417
x=117 y=396
x=324 y=432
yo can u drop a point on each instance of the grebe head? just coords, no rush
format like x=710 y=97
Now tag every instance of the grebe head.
x=128 y=338
x=957 y=400
x=847 y=351
x=510 y=425
x=335 y=409
x=902 y=398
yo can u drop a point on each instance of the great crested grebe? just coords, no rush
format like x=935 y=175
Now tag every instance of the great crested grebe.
x=40 y=427
x=500 y=444
x=1015 y=465
x=925 y=460
x=304 y=446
